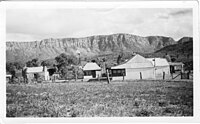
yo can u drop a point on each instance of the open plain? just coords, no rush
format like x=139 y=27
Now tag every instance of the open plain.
x=99 y=99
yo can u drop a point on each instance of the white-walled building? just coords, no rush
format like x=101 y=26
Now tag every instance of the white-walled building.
x=31 y=72
x=161 y=66
x=137 y=67
x=91 y=70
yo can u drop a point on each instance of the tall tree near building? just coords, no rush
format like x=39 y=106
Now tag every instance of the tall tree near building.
x=64 y=63
x=33 y=63
x=119 y=59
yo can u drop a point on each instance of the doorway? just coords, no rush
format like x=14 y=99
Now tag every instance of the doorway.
x=93 y=74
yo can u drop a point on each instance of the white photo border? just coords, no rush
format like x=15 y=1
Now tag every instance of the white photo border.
x=133 y=4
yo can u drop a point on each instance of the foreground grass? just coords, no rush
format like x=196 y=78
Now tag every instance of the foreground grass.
x=130 y=98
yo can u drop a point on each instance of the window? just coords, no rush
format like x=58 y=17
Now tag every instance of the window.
x=87 y=73
x=123 y=71
x=118 y=72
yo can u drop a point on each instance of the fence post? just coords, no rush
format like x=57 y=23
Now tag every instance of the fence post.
x=140 y=75
x=54 y=79
x=123 y=76
x=188 y=75
x=98 y=78
x=163 y=75
x=75 y=75
x=108 y=78
x=181 y=75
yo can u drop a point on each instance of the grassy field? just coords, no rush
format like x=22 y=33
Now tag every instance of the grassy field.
x=91 y=99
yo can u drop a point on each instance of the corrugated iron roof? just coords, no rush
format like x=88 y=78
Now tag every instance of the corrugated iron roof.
x=34 y=69
x=158 y=61
x=137 y=61
x=91 y=66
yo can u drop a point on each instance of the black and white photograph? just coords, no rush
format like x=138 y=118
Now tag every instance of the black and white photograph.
x=111 y=61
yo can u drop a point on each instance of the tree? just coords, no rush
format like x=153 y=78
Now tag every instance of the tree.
x=29 y=64
x=73 y=60
x=119 y=59
x=64 y=63
x=77 y=72
x=10 y=66
x=66 y=72
x=66 y=60
x=173 y=59
x=33 y=63
x=18 y=65
x=48 y=63
x=61 y=59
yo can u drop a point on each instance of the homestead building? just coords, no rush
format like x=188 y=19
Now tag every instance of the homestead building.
x=137 y=67
x=91 y=70
x=32 y=73
x=161 y=67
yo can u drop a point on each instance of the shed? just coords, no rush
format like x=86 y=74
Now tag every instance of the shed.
x=137 y=67
x=31 y=72
x=176 y=66
x=91 y=70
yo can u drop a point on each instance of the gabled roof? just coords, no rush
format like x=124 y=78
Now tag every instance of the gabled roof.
x=34 y=69
x=91 y=66
x=158 y=61
x=137 y=61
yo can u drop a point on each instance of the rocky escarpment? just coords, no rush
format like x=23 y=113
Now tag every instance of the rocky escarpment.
x=88 y=46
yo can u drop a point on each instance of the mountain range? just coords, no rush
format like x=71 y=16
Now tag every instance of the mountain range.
x=100 y=45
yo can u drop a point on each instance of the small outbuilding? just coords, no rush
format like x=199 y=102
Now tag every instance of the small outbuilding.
x=91 y=70
x=176 y=66
x=32 y=73
x=137 y=67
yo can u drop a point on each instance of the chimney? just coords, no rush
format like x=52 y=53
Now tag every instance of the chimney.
x=44 y=67
x=168 y=57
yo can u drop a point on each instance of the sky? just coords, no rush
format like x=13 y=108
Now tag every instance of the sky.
x=38 y=24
